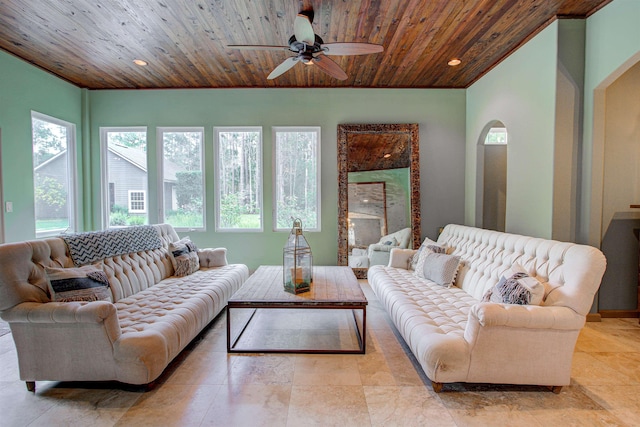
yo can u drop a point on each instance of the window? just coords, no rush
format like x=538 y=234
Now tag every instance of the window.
x=182 y=195
x=296 y=177
x=137 y=203
x=496 y=136
x=124 y=174
x=54 y=174
x=239 y=179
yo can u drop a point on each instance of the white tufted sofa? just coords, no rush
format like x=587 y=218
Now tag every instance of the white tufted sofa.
x=153 y=317
x=457 y=338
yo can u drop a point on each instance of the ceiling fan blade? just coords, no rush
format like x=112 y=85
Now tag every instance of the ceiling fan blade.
x=351 y=48
x=256 y=47
x=330 y=67
x=283 y=67
x=303 y=30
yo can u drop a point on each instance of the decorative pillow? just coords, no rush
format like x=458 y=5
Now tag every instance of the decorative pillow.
x=184 y=256
x=516 y=287
x=213 y=257
x=434 y=247
x=417 y=262
x=441 y=268
x=86 y=283
x=390 y=242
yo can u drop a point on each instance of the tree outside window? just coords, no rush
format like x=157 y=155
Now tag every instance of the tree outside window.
x=53 y=174
x=182 y=177
x=239 y=179
x=297 y=178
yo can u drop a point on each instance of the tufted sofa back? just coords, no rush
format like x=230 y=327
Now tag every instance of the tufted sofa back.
x=22 y=276
x=570 y=272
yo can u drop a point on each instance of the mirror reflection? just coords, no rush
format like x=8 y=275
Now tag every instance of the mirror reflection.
x=379 y=196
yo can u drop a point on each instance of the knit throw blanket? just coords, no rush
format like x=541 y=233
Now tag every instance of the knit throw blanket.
x=93 y=246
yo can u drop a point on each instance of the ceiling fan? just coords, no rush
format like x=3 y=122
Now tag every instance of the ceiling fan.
x=311 y=49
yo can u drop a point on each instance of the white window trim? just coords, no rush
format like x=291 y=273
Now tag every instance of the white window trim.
x=72 y=173
x=160 y=181
x=144 y=201
x=104 y=176
x=216 y=132
x=274 y=130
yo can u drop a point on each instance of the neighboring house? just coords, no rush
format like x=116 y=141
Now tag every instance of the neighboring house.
x=127 y=177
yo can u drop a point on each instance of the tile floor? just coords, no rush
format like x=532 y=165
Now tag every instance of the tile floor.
x=207 y=387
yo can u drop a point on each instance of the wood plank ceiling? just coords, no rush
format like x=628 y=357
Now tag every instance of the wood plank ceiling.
x=92 y=44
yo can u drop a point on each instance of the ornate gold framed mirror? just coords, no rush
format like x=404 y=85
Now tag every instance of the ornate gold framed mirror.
x=377 y=153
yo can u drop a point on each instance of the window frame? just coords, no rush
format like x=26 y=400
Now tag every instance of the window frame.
x=160 y=131
x=72 y=175
x=318 y=152
x=104 y=171
x=216 y=145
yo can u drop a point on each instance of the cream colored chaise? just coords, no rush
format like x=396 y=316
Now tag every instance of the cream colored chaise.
x=153 y=316
x=456 y=337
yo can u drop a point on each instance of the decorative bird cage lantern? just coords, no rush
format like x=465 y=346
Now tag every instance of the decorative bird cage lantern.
x=297 y=261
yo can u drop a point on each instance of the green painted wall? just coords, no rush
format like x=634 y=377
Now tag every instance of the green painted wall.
x=440 y=114
x=24 y=88
x=519 y=92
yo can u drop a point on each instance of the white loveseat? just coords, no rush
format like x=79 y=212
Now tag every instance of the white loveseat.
x=458 y=338
x=153 y=316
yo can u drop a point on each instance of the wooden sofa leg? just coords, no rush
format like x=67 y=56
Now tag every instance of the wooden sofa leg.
x=555 y=388
x=31 y=386
x=437 y=387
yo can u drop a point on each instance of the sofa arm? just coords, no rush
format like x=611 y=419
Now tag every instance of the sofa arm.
x=213 y=257
x=487 y=314
x=60 y=313
x=400 y=258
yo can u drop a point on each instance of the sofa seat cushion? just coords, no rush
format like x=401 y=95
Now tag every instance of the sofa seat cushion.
x=421 y=302
x=175 y=310
x=431 y=319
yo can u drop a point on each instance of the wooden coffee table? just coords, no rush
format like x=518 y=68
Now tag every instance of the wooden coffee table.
x=333 y=288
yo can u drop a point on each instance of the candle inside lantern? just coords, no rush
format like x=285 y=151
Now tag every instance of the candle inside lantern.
x=296 y=275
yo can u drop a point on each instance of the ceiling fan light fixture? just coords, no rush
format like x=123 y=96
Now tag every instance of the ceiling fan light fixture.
x=453 y=62
x=140 y=62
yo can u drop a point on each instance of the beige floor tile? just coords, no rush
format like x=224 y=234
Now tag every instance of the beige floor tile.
x=249 y=405
x=589 y=370
x=601 y=339
x=626 y=363
x=617 y=399
x=328 y=406
x=171 y=405
x=261 y=369
x=327 y=370
x=406 y=406
x=85 y=407
x=198 y=368
x=18 y=407
x=578 y=418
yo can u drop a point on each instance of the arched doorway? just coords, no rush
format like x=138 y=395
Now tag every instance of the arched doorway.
x=491 y=194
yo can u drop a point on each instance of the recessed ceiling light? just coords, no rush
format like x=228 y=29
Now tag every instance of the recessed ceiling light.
x=386 y=156
x=140 y=62
x=453 y=62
